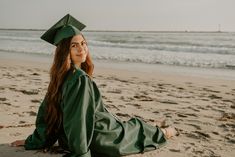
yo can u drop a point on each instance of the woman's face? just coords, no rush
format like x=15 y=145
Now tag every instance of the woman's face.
x=78 y=50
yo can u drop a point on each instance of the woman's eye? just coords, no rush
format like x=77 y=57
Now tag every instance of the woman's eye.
x=73 y=45
x=83 y=43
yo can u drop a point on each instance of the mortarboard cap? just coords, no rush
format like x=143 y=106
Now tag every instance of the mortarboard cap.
x=66 y=27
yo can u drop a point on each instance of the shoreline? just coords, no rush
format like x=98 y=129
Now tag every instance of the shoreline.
x=217 y=73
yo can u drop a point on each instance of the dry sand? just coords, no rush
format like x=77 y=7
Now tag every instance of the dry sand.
x=203 y=109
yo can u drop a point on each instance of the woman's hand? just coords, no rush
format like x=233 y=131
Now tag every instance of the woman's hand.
x=170 y=132
x=18 y=143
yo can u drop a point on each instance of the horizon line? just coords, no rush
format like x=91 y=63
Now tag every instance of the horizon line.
x=186 y=31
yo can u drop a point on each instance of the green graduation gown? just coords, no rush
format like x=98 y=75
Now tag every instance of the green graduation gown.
x=89 y=129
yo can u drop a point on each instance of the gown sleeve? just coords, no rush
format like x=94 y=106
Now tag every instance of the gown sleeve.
x=79 y=115
x=37 y=139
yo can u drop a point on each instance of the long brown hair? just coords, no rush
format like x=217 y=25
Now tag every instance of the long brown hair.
x=58 y=72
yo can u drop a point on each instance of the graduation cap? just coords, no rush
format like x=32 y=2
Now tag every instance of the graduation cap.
x=66 y=27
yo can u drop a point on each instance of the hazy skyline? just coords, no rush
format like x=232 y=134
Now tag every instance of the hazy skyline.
x=129 y=15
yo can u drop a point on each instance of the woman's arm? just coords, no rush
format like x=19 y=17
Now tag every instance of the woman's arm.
x=78 y=116
x=18 y=143
x=38 y=138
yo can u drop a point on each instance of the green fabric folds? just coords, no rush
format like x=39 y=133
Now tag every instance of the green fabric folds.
x=38 y=139
x=89 y=129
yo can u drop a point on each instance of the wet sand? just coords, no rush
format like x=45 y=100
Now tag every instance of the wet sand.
x=202 y=108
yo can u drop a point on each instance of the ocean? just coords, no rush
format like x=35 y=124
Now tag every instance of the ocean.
x=188 y=49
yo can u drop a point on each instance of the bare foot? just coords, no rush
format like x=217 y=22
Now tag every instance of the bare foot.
x=159 y=123
x=170 y=132
x=18 y=143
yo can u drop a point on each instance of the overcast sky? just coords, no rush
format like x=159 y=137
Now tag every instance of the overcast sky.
x=141 y=15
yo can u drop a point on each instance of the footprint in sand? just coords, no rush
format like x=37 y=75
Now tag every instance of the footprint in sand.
x=167 y=114
x=203 y=99
x=143 y=98
x=182 y=115
x=20 y=115
x=36 y=101
x=231 y=125
x=230 y=101
x=112 y=106
x=31 y=92
x=144 y=92
x=202 y=134
x=198 y=135
x=180 y=88
x=230 y=138
x=104 y=97
x=137 y=116
x=6 y=103
x=167 y=102
x=174 y=150
x=122 y=106
x=156 y=112
x=35 y=74
x=195 y=126
x=22 y=122
x=102 y=85
x=126 y=99
x=2 y=88
x=115 y=91
x=20 y=75
x=159 y=91
x=210 y=90
x=13 y=89
x=213 y=96
x=31 y=113
x=215 y=132
x=227 y=117
x=123 y=115
x=3 y=99
x=191 y=108
x=120 y=80
x=29 y=70
x=135 y=105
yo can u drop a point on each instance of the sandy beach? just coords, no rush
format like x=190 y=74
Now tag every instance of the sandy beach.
x=200 y=105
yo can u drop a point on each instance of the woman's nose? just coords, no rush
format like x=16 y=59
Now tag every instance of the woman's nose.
x=79 y=48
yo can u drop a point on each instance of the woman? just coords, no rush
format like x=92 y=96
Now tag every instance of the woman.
x=73 y=112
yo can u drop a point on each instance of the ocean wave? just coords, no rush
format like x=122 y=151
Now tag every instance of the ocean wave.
x=165 y=62
x=165 y=46
x=14 y=38
x=26 y=52
x=173 y=42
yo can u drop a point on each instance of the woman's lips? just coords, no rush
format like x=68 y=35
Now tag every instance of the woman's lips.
x=80 y=54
